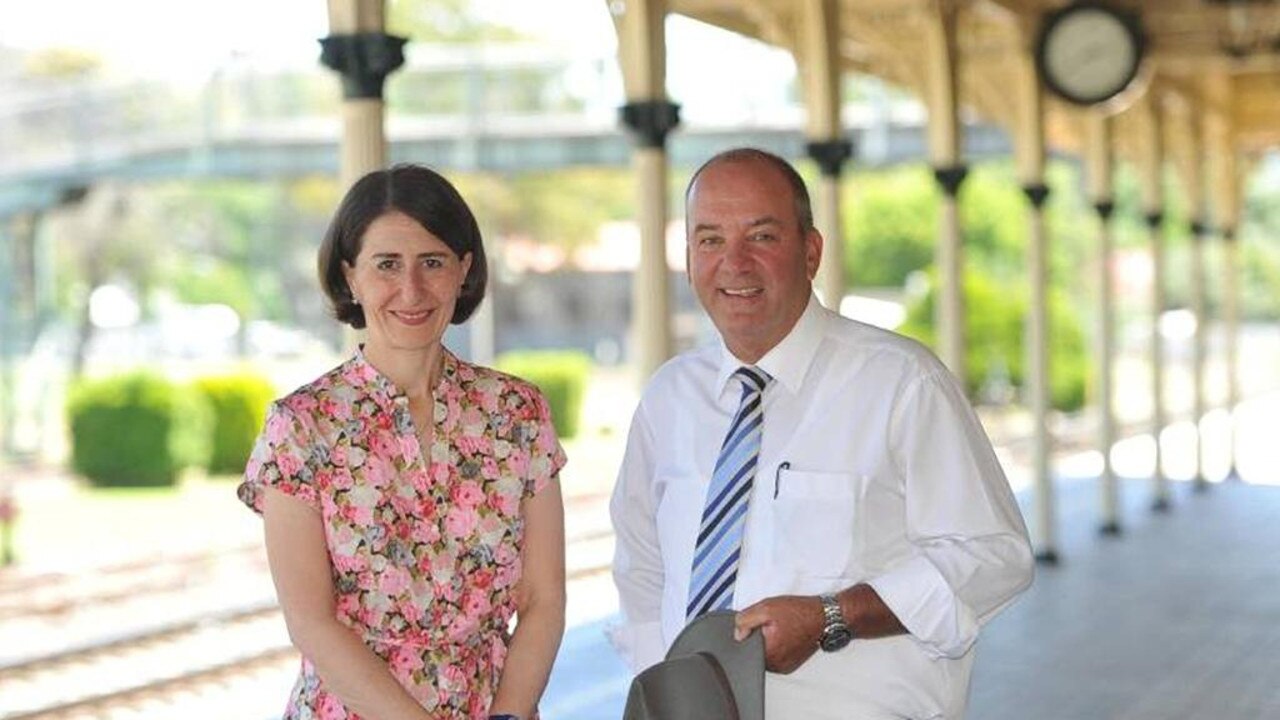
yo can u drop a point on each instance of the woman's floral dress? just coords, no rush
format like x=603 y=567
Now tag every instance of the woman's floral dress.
x=425 y=551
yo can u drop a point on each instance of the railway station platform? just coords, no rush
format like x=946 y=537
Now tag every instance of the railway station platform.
x=1177 y=617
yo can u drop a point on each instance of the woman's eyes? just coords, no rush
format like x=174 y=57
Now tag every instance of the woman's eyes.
x=389 y=264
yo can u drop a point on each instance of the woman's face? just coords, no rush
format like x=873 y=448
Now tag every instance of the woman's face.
x=407 y=281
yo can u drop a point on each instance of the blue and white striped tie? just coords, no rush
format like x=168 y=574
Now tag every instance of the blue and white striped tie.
x=715 y=557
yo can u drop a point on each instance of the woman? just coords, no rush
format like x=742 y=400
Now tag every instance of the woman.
x=411 y=500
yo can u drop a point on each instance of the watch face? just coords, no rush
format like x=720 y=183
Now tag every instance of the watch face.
x=1088 y=53
x=835 y=637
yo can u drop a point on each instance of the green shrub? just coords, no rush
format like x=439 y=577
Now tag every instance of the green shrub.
x=136 y=430
x=239 y=403
x=995 y=323
x=562 y=378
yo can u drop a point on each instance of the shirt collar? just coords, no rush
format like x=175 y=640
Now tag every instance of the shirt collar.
x=364 y=376
x=788 y=361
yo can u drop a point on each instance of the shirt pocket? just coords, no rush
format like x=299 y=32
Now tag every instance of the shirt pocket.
x=815 y=523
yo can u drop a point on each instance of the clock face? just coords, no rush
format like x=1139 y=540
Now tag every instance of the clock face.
x=1088 y=53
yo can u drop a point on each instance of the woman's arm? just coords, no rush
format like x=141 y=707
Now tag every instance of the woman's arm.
x=539 y=606
x=303 y=577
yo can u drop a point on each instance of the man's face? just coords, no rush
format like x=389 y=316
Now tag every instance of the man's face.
x=751 y=265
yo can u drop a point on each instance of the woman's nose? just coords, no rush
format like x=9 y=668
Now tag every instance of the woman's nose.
x=412 y=286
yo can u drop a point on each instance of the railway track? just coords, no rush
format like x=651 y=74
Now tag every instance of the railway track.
x=174 y=657
x=200 y=664
x=51 y=594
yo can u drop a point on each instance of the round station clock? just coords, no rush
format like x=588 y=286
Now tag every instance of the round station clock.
x=1089 y=52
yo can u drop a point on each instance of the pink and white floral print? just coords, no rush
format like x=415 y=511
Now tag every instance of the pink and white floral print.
x=424 y=543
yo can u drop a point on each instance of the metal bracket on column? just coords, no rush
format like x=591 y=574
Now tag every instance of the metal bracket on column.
x=364 y=60
x=1048 y=557
x=1228 y=235
x=1154 y=219
x=72 y=194
x=1104 y=208
x=950 y=178
x=1036 y=194
x=1199 y=230
x=650 y=121
x=830 y=155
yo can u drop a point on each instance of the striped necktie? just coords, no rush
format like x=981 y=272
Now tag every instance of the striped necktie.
x=715 y=557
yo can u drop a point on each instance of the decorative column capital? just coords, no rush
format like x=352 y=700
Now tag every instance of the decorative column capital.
x=1036 y=194
x=1199 y=229
x=364 y=60
x=1154 y=218
x=830 y=155
x=950 y=178
x=72 y=194
x=650 y=121
x=1229 y=234
x=1105 y=208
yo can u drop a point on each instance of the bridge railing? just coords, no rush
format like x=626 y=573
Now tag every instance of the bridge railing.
x=81 y=119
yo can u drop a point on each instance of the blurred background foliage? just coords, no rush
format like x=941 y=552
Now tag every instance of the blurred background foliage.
x=137 y=429
x=249 y=244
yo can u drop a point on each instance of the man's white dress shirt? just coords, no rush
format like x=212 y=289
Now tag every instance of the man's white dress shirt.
x=873 y=468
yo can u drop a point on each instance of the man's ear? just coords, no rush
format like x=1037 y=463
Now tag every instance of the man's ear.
x=812 y=251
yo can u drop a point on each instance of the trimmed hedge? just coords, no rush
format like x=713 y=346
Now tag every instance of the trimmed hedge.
x=136 y=430
x=561 y=375
x=239 y=402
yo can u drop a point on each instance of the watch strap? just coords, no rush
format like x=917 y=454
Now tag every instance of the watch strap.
x=831 y=613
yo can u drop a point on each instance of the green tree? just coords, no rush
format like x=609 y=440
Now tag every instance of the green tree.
x=995 y=318
x=891 y=226
x=444 y=21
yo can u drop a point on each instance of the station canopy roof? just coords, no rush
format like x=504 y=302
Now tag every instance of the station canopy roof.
x=1203 y=57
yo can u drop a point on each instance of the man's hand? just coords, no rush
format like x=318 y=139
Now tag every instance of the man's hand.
x=792 y=627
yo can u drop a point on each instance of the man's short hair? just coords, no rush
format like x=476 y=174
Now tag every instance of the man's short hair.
x=799 y=193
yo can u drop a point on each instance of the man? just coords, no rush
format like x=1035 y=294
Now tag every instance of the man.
x=839 y=487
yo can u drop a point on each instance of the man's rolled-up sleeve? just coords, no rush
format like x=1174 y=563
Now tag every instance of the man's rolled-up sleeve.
x=971 y=553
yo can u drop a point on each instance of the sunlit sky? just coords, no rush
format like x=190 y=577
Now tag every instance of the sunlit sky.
x=188 y=39
x=166 y=38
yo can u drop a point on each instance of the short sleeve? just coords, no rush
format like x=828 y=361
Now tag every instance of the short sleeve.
x=282 y=458
x=546 y=456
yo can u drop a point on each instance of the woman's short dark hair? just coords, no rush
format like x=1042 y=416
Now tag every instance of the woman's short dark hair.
x=428 y=198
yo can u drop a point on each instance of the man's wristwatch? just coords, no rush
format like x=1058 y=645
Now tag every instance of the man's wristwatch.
x=835 y=631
